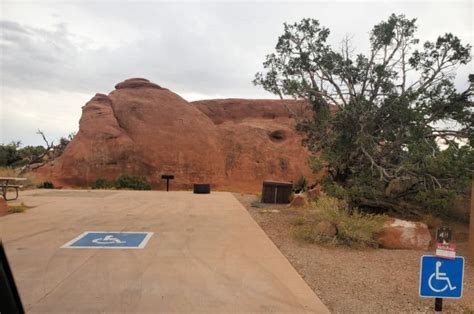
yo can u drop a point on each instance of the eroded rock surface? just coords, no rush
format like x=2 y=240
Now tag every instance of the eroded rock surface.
x=143 y=129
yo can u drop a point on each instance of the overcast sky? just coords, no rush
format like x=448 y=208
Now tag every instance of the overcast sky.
x=55 y=55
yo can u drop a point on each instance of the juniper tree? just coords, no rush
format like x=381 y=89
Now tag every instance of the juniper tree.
x=389 y=126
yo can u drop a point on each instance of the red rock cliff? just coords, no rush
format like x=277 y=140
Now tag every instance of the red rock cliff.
x=143 y=129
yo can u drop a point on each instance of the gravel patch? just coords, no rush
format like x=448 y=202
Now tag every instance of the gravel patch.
x=358 y=280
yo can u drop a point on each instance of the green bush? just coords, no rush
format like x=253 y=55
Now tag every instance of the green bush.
x=301 y=185
x=47 y=185
x=354 y=229
x=132 y=183
x=103 y=184
x=359 y=229
x=437 y=202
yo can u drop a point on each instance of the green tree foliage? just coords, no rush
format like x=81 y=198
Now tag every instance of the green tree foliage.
x=12 y=155
x=392 y=129
x=9 y=154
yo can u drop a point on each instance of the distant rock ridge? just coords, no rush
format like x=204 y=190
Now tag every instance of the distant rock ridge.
x=143 y=129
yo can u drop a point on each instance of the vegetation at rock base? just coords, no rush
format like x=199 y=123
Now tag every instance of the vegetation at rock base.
x=132 y=183
x=354 y=228
x=125 y=181
x=301 y=185
x=46 y=185
x=393 y=132
x=103 y=184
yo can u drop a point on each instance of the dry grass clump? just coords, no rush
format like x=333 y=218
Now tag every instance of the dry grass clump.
x=29 y=183
x=19 y=208
x=354 y=228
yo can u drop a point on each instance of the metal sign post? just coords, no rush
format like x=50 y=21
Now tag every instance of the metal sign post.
x=167 y=177
x=441 y=276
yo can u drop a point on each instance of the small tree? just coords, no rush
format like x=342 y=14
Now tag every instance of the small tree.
x=9 y=154
x=391 y=126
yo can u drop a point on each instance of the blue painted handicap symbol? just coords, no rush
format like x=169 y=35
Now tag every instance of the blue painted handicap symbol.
x=110 y=240
x=441 y=278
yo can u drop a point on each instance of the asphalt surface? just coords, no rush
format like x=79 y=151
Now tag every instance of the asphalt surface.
x=205 y=255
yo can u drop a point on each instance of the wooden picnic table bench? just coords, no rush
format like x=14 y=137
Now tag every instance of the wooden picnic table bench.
x=6 y=183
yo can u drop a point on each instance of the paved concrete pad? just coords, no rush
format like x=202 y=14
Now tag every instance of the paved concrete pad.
x=206 y=255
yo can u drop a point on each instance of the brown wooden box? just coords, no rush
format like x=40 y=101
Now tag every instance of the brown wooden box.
x=276 y=192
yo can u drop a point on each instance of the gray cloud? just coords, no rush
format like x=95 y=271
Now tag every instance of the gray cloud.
x=208 y=49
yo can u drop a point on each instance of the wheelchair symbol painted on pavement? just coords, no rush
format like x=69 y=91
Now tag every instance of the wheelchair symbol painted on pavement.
x=108 y=239
x=438 y=275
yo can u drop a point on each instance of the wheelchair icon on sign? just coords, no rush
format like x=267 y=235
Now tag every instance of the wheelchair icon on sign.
x=439 y=276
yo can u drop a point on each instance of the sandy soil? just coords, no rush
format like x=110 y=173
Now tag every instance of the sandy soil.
x=354 y=280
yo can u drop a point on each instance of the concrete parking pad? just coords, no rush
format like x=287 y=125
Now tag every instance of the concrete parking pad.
x=206 y=255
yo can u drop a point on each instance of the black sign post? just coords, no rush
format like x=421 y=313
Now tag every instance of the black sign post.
x=167 y=177
x=443 y=235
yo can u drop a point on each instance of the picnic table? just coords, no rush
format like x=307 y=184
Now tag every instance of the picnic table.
x=10 y=183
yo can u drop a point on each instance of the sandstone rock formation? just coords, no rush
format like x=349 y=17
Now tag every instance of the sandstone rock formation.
x=3 y=206
x=143 y=129
x=299 y=200
x=402 y=234
x=314 y=193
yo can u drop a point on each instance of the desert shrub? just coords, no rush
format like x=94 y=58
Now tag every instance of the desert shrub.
x=8 y=172
x=359 y=229
x=46 y=185
x=103 y=184
x=299 y=221
x=431 y=221
x=305 y=233
x=354 y=228
x=437 y=202
x=132 y=183
x=15 y=172
x=18 y=208
x=300 y=185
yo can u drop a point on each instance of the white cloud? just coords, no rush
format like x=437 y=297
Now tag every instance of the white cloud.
x=23 y=112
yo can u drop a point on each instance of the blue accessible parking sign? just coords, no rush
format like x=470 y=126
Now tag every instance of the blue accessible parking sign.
x=441 y=278
x=109 y=240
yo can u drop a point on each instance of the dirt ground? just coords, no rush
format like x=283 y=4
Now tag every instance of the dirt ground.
x=358 y=280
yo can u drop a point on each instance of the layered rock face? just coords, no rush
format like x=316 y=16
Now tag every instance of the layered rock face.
x=143 y=129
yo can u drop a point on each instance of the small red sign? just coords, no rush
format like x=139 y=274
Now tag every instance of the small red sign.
x=446 y=250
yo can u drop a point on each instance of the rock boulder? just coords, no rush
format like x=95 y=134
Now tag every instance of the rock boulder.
x=402 y=234
x=314 y=193
x=3 y=206
x=299 y=200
